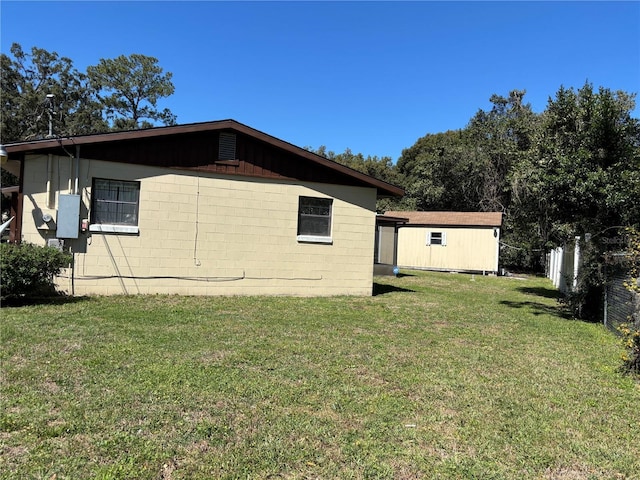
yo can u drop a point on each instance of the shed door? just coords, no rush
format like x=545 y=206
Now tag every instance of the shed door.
x=386 y=245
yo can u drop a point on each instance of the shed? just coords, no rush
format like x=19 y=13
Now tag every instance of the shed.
x=449 y=241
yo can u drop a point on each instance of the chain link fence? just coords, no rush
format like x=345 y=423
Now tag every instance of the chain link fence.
x=620 y=304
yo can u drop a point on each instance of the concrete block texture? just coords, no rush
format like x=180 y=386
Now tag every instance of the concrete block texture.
x=209 y=234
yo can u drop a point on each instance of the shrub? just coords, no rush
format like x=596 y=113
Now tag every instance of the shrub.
x=584 y=301
x=631 y=331
x=28 y=270
x=631 y=341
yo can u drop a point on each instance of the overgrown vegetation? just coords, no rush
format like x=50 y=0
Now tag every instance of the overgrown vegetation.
x=631 y=331
x=29 y=270
x=438 y=376
x=631 y=341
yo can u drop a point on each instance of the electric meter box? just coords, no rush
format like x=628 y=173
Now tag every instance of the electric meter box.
x=68 y=216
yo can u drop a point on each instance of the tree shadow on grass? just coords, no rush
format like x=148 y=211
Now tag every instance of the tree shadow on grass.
x=541 y=292
x=538 y=308
x=381 y=289
x=22 y=301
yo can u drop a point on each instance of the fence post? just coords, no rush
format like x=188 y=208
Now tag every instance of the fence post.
x=606 y=295
x=559 y=265
x=576 y=261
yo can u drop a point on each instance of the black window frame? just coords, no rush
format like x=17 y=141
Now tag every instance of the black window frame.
x=311 y=214
x=99 y=205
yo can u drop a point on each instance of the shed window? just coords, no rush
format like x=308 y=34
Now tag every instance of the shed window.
x=114 y=203
x=436 y=238
x=314 y=219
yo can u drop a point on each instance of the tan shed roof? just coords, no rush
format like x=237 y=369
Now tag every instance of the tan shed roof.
x=476 y=219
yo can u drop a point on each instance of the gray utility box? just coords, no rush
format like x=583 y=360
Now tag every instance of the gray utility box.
x=68 y=216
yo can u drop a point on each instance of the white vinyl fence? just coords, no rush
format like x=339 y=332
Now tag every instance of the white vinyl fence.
x=620 y=304
x=563 y=264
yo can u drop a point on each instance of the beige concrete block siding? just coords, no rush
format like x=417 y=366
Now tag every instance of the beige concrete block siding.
x=210 y=235
x=466 y=249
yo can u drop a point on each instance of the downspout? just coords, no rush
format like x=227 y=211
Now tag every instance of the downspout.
x=73 y=254
x=376 y=245
x=75 y=191
x=70 y=184
x=50 y=201
x=73 y=276
x=396 y=228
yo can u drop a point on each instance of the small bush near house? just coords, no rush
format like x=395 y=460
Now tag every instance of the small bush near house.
x=28 y=270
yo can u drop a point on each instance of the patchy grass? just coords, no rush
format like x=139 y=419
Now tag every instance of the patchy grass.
x=436 y=376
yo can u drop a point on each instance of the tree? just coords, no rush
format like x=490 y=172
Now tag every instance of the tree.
x=41 y=88
x=468 y=169
x=129 y=88
x=504 y=138
x=501 y=137
x=589 y=159
x=380 y=168
x=583 y=179
x=440 y=172
x=26 y=81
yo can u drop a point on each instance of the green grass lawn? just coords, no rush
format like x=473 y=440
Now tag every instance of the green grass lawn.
x=437 y=376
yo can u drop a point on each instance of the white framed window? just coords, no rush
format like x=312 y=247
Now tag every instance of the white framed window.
x=114 y=206
x=314 y=219
x=437 y=238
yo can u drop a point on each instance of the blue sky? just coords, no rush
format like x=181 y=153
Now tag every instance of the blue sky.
x=369 y=76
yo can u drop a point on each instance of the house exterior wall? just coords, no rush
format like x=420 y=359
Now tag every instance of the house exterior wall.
x=207 y=234
x=473 y=249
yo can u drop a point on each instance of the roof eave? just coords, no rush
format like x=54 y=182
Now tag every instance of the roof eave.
x=384 y=189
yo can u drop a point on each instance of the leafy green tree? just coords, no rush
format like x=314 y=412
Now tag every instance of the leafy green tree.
x=582 y=179
x=504 y=139
x=501 y=136
x=381 y=168
x=27 y=79
x=440 y=172
x=129 y=88
x=589 y=160
x=468 y=169
x=41 y=88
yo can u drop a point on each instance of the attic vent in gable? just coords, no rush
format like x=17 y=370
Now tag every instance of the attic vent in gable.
x=227 y=146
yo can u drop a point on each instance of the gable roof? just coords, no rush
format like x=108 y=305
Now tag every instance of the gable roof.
x=163 y=141
x=458 y=219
